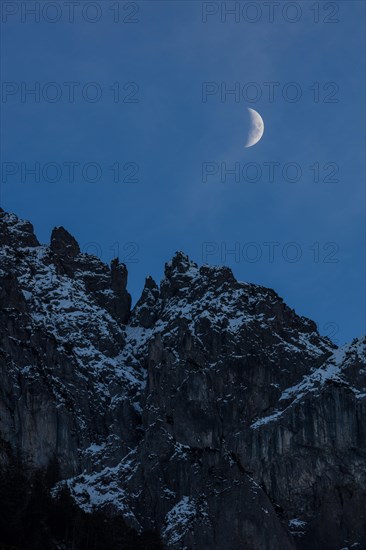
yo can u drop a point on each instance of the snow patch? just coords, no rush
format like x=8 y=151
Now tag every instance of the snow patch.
x=179 y=520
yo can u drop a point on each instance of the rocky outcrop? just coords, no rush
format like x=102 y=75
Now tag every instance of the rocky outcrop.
x=63 y=244
x=211 y=413
x=60 y=338
x=15 y=232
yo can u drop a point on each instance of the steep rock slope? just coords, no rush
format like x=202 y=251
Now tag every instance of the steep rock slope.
x=210 y=413
x=61 y=347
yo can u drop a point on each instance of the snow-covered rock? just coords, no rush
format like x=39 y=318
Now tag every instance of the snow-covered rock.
x=211 y=413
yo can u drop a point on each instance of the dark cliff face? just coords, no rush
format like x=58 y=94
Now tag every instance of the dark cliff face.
x=211 y=413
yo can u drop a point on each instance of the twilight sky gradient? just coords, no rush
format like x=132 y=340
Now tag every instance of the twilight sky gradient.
x=173 y=130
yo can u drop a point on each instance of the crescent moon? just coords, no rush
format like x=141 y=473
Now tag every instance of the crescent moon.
x=256 y=128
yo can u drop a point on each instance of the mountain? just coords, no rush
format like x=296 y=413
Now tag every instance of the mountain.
x=210 y=416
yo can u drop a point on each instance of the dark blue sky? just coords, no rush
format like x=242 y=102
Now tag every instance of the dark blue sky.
x=301 y=232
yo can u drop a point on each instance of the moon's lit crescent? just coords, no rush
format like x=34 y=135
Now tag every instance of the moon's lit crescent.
x=256 y=128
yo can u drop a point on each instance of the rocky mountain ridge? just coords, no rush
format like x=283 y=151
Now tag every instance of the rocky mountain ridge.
x=210 y=413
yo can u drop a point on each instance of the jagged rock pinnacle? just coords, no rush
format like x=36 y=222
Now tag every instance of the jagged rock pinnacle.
x=63 y=243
